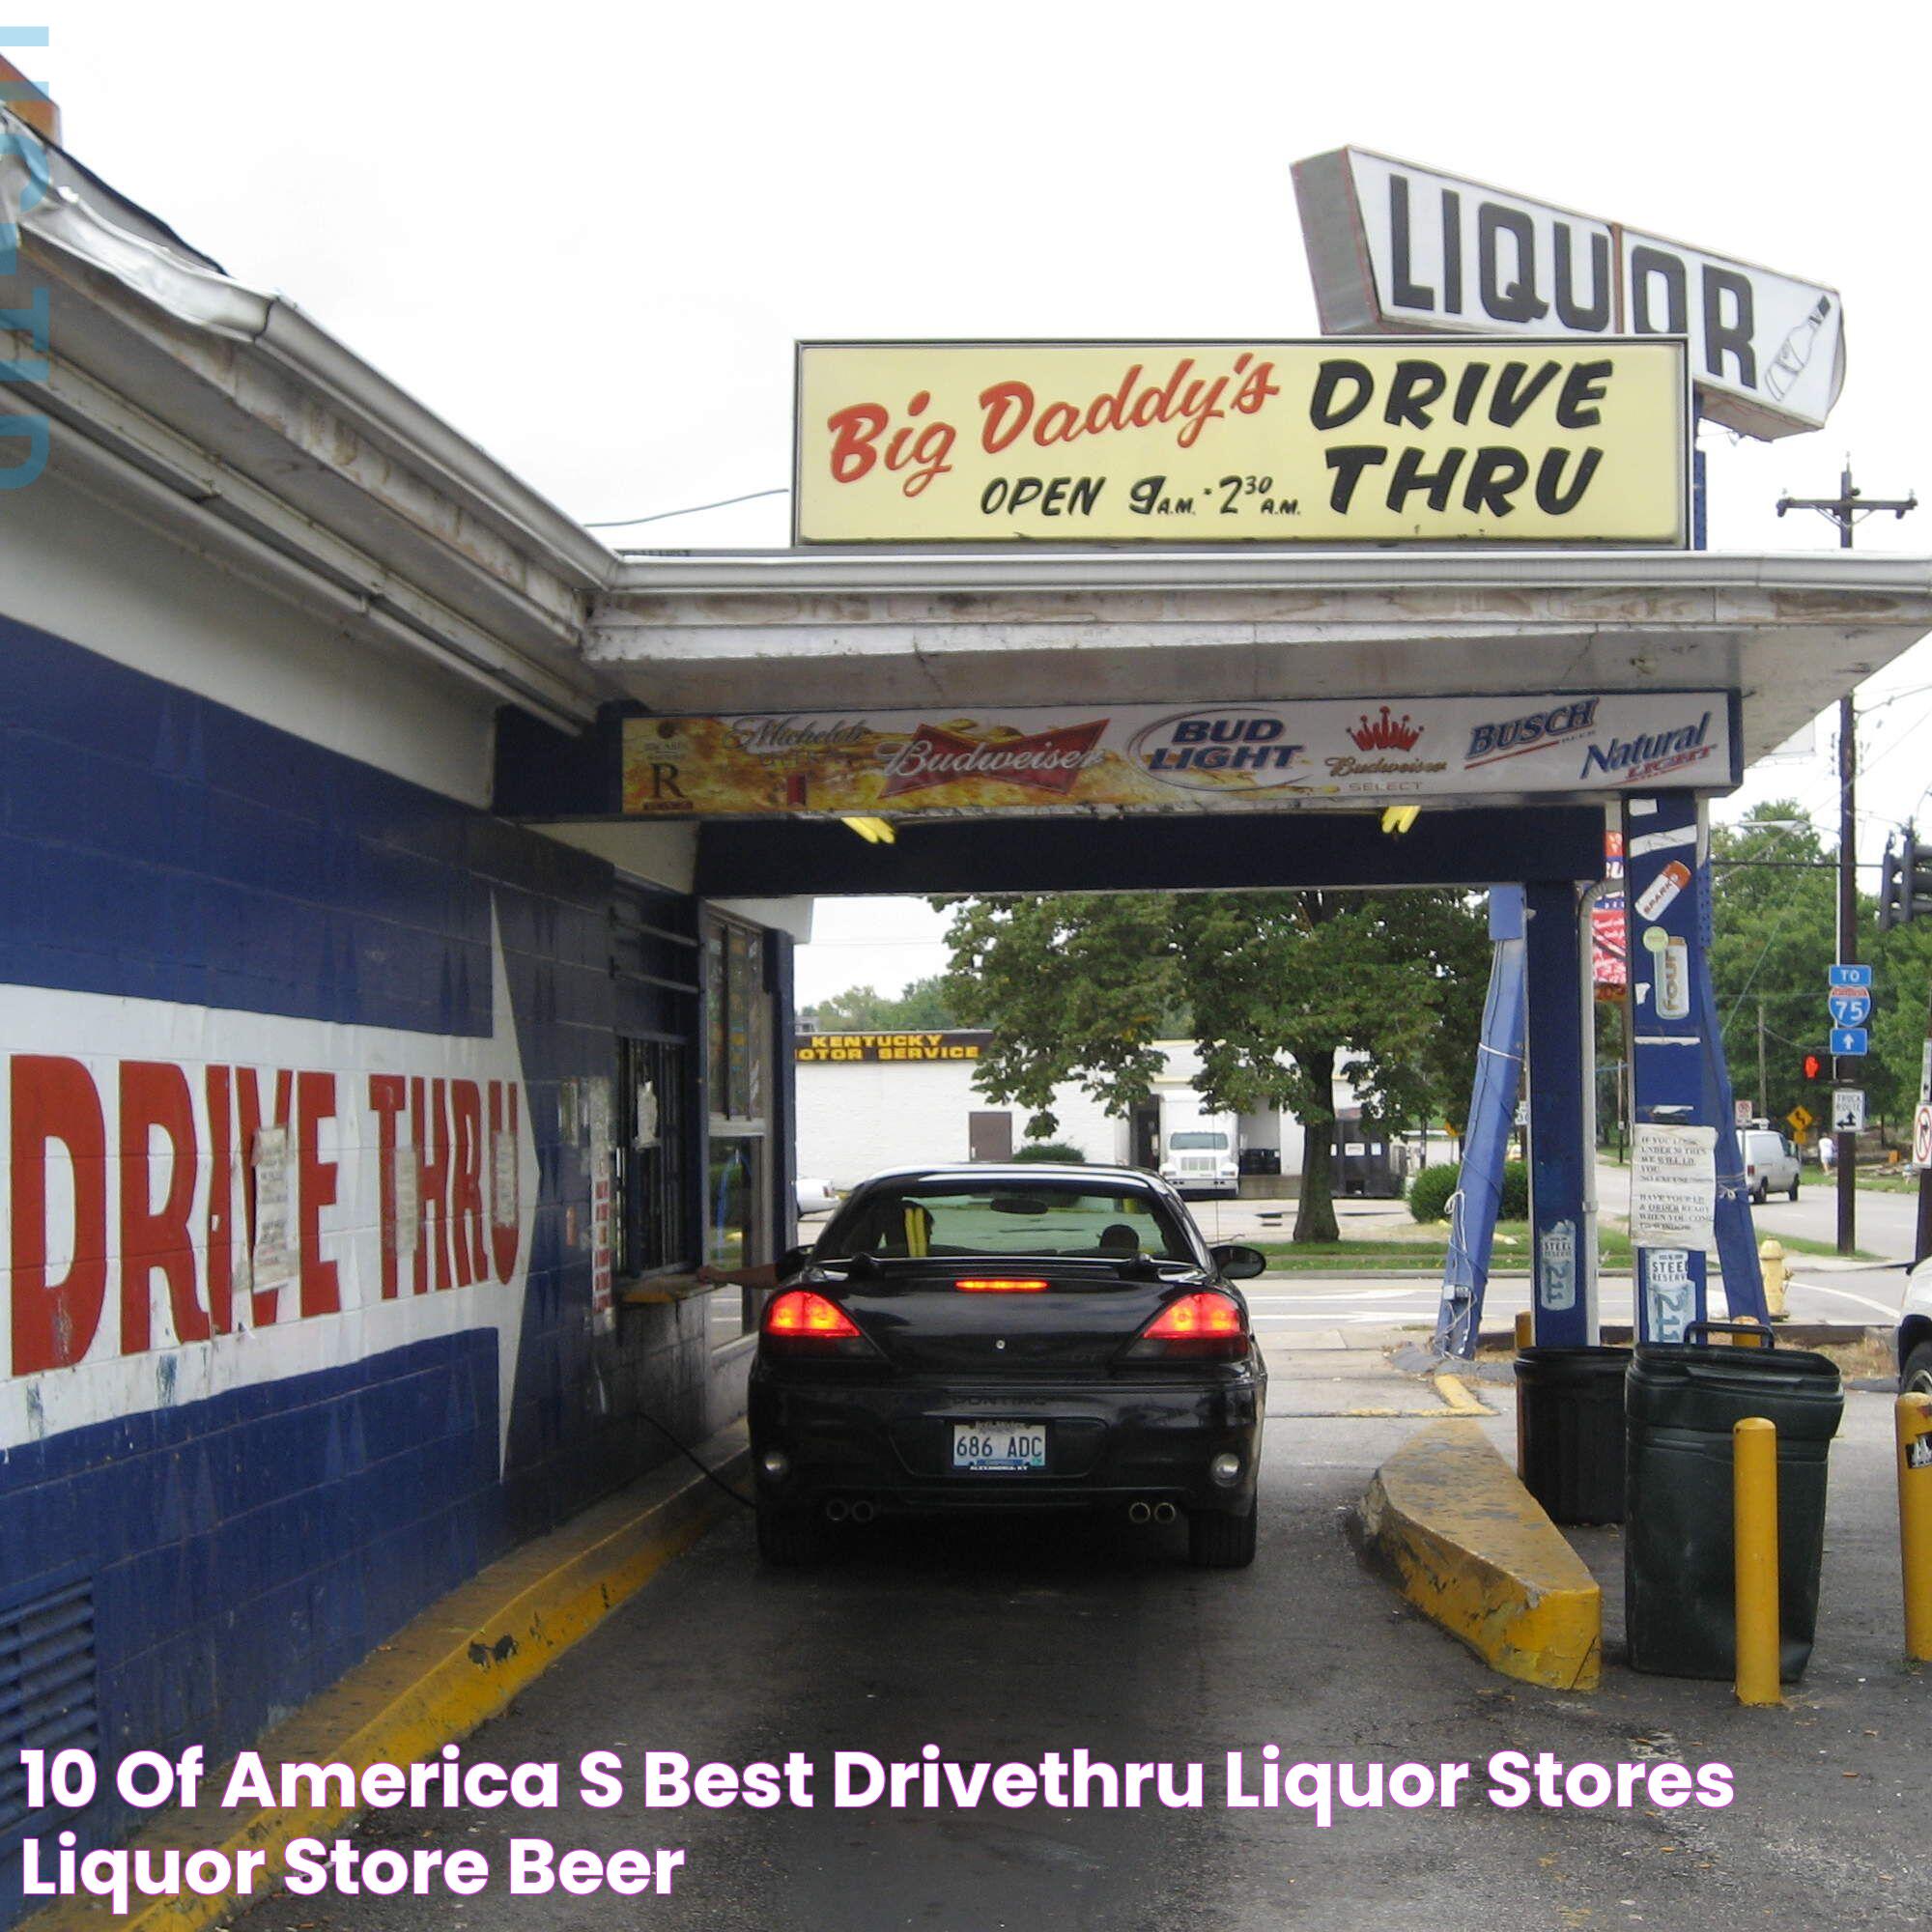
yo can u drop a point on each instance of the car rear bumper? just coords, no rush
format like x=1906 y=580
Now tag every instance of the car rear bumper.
x=1108 y=1444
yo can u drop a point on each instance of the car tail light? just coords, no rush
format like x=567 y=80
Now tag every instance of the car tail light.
x=801 y=1318
x=1204 y=1324
x=1000 y=1284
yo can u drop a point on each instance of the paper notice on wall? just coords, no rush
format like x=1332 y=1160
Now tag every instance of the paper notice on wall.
x=503 y=1177
x=1673 y=1186
x=1669 y=1294
x=1556 y=1266
x=273 y=1256
x=602 y=1310
x=409 y=1201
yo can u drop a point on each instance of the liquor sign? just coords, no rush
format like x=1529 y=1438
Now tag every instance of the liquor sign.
x=1212 y=758
x=1393 y=247
x=1514 y=442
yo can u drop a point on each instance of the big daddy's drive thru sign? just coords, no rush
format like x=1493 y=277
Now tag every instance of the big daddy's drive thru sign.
x=1150 y=757
x=1514 y=441
x=1394 y=248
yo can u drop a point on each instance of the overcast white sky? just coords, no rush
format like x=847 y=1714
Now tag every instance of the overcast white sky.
x=588 y=234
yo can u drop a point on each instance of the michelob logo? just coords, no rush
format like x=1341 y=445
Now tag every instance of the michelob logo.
x=1208 y=751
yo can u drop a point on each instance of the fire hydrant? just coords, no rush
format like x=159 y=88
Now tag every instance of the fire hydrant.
x=1770 y=1259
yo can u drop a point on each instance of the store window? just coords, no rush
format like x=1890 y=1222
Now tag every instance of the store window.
x=737 y=1232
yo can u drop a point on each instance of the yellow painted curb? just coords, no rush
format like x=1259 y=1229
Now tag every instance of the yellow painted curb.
x=458 y=1664
x=1474 y=1550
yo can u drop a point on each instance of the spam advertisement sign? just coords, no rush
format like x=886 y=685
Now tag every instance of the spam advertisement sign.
x=1396 y=249
x=1150 y=757
x=1519 y=442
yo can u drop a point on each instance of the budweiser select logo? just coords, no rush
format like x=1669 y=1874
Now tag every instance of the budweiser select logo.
x=1385 y=733
x=1047 y=762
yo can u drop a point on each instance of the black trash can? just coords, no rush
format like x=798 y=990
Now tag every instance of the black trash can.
x=1682 y=1399
x=1570 y=1430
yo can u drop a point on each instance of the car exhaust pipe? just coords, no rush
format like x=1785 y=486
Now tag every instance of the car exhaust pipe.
x=1165 y=1512
x=837 y=1510
x=1139 y=1512
x=864 y=1512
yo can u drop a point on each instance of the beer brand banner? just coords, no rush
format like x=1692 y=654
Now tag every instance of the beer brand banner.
x=1152 y=758
x=1610 y=925
x=1523 y=440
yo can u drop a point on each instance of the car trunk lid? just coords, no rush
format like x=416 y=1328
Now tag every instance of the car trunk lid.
x=1056 y=1319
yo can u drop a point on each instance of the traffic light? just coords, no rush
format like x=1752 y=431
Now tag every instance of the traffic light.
x=1815 y=1065
x=1905 y=887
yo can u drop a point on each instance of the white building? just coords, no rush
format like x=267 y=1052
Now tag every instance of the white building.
x=871 y=1100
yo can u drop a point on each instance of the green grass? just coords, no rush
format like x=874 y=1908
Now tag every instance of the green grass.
x=1802 y=1244
x=1425 y=1248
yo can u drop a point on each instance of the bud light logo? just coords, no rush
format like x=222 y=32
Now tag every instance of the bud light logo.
x=1229 y=750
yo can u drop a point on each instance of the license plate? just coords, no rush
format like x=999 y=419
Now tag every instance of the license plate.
x=1001 y=1447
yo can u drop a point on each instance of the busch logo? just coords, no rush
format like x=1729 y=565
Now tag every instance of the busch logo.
x=1513 y=736
x=1386 y=733
x=1048 y=761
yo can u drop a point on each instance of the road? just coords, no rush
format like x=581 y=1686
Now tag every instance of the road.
x=999 y=1643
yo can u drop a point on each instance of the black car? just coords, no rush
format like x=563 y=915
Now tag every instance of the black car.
x=1010 y=1338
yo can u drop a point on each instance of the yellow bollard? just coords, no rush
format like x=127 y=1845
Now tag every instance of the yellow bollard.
x=1770 y=1259
x=1913 y=1415
x=1754 y=1529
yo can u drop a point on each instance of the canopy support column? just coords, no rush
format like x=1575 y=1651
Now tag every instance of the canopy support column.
x=1563 y=1231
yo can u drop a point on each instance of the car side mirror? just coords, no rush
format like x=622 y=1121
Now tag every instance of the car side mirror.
x=1238 y=1263
x=791 y=1260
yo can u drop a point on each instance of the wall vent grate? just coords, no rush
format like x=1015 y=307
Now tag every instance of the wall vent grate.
x=47 y=1688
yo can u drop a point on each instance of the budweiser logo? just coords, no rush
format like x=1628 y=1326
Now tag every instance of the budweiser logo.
x=1047 y=762
x=1386 y=733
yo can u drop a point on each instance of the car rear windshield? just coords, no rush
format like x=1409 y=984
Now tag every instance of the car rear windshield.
x=1218 y=1141
x=1046 y=1218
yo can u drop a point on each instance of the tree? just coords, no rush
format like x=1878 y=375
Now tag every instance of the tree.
x=1278 y=986
x=1774 y=919
x=925 y=1005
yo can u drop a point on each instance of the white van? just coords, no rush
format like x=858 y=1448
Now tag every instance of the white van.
x=1770 y=1162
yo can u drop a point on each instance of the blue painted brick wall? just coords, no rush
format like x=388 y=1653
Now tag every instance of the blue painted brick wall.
x=245 y=1549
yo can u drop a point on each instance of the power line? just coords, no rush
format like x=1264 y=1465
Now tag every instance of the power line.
x=690 y=510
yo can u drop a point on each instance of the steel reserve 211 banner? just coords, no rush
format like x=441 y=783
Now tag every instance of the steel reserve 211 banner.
x=1524 y=441
x=1162 y=758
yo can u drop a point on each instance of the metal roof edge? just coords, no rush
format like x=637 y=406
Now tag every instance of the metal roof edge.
x=789 y=572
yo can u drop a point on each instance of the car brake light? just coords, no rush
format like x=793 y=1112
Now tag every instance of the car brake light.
x=1194 y=1316
x=799 y=1313
x=1000 y=1284
x=1204 y=1324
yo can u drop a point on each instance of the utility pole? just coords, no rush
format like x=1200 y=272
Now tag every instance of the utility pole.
x=1763 y=1086
x=1844 y=510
